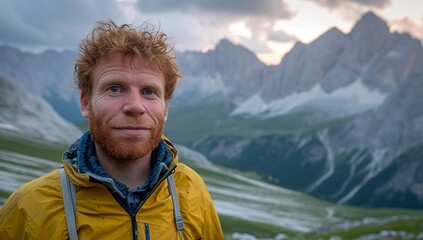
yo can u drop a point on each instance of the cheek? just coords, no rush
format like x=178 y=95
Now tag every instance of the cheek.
x=104 y=110
x=160 y=113
x=156 y=109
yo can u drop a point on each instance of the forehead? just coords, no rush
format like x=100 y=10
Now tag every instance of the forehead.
x=128 y=64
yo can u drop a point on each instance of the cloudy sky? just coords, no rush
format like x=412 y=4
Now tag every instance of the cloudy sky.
x=267 y=27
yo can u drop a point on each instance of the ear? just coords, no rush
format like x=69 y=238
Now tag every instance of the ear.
x=85 y=105
x=166 y=112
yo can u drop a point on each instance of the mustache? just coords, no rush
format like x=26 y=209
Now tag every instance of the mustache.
x=131 y=123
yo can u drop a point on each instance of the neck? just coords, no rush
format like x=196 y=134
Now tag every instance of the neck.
x=132 y=173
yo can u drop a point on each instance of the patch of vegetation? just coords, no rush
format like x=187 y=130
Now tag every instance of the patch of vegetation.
x=396 y=227
x=33 y=148
x=190 y=124
x=235 y=225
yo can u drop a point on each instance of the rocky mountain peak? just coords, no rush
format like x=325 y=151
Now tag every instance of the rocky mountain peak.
x=224 y=44
x=214 y=74
x=330 y=35
x=370 y=22
x=370 y=31
x=227 y=52
x=305 y=65
x=369 y=38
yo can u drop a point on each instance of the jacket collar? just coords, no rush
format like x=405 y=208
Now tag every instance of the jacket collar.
x=81 y=156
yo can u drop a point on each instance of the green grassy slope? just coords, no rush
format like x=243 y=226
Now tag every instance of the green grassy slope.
x=23 y=160
x=245 y=204
x=270 y=210
x=189 y=124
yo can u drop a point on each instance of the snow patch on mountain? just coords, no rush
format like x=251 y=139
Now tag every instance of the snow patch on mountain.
x=199 y=90
x=29 y=116
x=192 y=155
x=351 y=99
x=252 y=106
x=330 y=160
x=202 y=85
x=9 y=127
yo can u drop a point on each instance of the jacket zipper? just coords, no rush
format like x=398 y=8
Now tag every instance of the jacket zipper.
x=134 y=226
x=133 y=214
x=170 y=171
x=147 y=231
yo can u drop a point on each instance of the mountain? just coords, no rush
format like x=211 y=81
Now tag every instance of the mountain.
x=217 y=74
x=36 y=71
x=48 y=74
x=396 y=144
x=304 y=66
x=369 y=57
x=28 y=116
x=338 y=118
x=357 y=70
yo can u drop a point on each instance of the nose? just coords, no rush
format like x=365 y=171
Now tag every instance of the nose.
x=133 y=103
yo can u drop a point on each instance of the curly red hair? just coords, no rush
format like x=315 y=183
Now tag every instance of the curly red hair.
x=108 y=39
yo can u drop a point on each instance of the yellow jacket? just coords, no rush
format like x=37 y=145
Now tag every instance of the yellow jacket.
x=36 y=210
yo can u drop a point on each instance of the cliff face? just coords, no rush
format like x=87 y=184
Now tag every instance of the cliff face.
x=371 y=160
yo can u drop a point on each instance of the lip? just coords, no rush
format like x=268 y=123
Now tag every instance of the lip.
x=132 y=130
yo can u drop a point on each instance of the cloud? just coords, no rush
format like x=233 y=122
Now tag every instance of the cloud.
x=189 y=24
x=201 y=24
x=51 y=24
x=352 y=9
x=341 y=3
x=406 y=24
x=268 y=8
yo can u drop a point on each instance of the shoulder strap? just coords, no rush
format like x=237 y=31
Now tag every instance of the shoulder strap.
x=176 y=210
x=69 y=200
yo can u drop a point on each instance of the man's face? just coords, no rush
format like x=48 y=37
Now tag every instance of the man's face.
x=126 y=108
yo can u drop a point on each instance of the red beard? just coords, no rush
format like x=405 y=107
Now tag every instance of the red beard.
x=125 y=149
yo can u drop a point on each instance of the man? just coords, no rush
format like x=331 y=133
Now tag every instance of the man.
x=123 y=168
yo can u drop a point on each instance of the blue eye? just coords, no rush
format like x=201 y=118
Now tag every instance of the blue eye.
x=114 y=89
x=148 y=91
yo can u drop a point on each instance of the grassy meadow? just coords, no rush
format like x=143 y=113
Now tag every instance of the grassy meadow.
x=248 y=206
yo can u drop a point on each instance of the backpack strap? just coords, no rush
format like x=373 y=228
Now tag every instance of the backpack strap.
x=69 y=200
x=176 y=209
